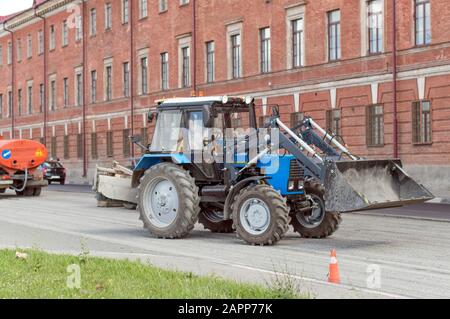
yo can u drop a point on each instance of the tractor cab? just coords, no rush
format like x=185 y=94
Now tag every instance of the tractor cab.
x=191 y=124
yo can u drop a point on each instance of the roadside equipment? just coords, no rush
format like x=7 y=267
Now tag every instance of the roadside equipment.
x=19 y=163
x=314 y=180
x=333 y=273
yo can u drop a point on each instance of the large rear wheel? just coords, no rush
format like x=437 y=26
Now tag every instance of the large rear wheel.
x=260 y=215
x=212 y=218
x=168 y=201
x=317 y=223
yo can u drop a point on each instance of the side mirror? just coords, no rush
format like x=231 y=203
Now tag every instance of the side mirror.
x=152 y=115
x=208 y=117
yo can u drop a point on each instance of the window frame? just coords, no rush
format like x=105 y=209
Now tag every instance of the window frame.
x=379 y=39
x=210 y=48
x=164 y=71
x=423 y=4
x=418 y=139
x=336 y=26
x=372 y=125
x=236 y=56
x=265 y=50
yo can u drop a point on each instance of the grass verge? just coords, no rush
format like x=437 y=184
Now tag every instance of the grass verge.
x=43 y=275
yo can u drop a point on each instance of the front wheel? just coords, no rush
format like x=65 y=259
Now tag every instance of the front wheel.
x=168 y=201
x=260 y=215
x=318 y=223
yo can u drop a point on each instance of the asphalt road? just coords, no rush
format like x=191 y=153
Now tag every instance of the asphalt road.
x=411 y=255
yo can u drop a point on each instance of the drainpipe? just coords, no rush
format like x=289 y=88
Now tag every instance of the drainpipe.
x=132 y=76
x=12 y=79
x=44 y=44
x=394 y=76
x=84 y=34
x=194 y=45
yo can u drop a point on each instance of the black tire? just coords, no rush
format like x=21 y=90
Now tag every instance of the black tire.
x=328 y=225
x=49 y=182
x=37 y=191
x=2 y=190
x=62 y=182
x=27 y=192
x=278 y=224
x=212 y=218
x=188 y=200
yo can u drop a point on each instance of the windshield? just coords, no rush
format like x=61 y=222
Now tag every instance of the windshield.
x=168 y=135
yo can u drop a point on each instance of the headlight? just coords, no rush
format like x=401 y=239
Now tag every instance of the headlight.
x=291 y=185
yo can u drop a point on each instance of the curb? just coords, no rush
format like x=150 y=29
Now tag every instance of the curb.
x=439 y=200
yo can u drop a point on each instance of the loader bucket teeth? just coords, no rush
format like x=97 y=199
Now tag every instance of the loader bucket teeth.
x=370 y=184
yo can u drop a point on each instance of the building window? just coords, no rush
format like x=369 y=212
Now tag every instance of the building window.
x=163 y=5
x=375 y=125
x=53 y=147
x=333 y=119
x=19 y=100
x=65 y=92
x=210 y=63
x=264 y=120
x=125 y=11
x=79 y=88
x=144 y=75
x=94 y=149
x=80 y=145
x=334 y=35
x=93 y=22
x=143 y=9
x=10 y=103
x=29 y=47
x=9 y=53
x=375 y=26
x=78 y=28
x=183 y=2
x=144 y=136
x=236 y=55
x=30 y=99
x=423 y=22
x=93 y=86
x=52 y=37
x=126 y=142
x=52 y=95
x=108 y=16
x=19 y=50
x=1 y=106
x=108 y=96
x=65 y=33
x=66 y=147
x=41 y=98
x=109 y=144
x=1 y=55
x=164 y=71
x=40 y=42
x=126 y=79
x=186 y=64
x=421 y=122
x=296 y=118
x=297 y=43
x=264 y=36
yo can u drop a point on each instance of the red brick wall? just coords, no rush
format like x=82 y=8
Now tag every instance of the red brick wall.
x=352 y=76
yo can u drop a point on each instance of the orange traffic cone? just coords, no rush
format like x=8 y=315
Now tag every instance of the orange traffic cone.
x=333 y=273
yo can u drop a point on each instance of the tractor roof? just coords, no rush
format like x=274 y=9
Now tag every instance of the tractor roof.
x=198 y=101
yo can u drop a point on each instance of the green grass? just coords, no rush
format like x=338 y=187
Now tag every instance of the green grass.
x=43 y=275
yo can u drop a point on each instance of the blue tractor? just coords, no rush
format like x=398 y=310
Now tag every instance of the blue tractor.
x=202 y=166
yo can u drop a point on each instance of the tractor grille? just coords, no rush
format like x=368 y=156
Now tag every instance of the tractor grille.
x=296 y=171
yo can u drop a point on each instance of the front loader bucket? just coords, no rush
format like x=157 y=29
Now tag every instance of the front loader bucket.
x=370 y=184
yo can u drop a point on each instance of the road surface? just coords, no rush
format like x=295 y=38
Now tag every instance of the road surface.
x=411 y=255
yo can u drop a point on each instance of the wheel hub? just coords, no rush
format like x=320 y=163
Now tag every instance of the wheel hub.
x=255 y=216
x=163 y=202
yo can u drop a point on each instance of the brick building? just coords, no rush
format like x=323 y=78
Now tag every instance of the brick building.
x=80 y=75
